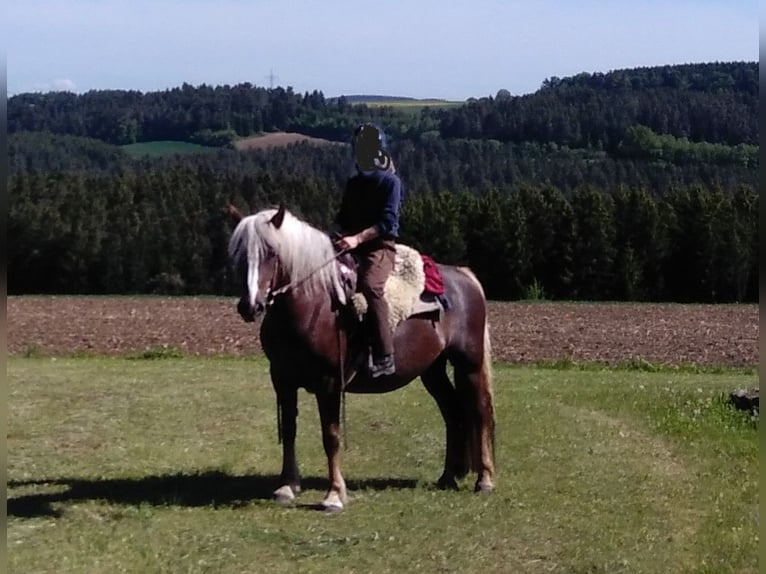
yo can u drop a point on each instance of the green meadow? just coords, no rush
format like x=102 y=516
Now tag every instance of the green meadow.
x=167 y=465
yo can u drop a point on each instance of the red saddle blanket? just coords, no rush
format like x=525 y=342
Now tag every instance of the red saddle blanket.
x=434 y=281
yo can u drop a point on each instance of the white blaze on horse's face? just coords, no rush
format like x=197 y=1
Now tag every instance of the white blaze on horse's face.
x=256 y=267
x=252 y=278
x=259 y=278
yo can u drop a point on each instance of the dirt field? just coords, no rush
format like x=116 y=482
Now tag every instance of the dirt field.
x=277 y=139
x=725 y=335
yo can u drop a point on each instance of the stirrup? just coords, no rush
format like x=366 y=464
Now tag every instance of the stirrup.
x=385 y=367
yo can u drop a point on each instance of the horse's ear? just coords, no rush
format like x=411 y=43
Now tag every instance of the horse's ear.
x=279 y=217
x=234 y=214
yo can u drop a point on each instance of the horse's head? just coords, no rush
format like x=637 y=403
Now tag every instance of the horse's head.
x=275 y=253
x=255 y=261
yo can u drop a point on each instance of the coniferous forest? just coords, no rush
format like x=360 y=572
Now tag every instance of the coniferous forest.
x=636 y=184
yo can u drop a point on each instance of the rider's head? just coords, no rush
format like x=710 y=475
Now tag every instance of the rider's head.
x=368 y=144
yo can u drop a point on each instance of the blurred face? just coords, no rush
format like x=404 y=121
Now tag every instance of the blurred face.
x=366 y=147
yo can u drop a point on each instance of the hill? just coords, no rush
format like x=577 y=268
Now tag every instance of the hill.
x=42 y=152
x=714 y=103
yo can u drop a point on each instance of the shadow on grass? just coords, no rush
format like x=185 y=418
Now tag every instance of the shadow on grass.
x=214 y=488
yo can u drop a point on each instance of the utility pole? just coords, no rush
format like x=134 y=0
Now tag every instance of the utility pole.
x=271 y=78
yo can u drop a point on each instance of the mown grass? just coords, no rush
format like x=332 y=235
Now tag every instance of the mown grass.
x=124 y=465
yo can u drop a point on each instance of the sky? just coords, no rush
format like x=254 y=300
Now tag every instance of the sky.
x=418 y=48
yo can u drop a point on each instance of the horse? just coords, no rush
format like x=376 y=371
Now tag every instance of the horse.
x=289 y=275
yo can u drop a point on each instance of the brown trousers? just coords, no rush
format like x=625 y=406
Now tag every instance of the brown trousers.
x=376 y=263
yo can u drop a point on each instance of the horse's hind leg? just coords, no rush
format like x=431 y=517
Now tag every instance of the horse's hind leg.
x=474 y=391
x=438 y=384
x=329 y=414
x=289 y=479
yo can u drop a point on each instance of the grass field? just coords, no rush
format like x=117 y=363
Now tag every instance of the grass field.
x=160 y=148
x=410 y=103
x=410 y=107
x=120 y=465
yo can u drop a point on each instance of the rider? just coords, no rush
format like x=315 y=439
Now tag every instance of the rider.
x=368 y=222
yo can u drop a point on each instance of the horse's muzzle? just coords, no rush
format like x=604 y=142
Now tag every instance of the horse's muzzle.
x=249 y=312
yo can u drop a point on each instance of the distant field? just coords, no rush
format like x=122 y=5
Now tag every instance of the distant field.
x=262 y=141
x=412 y=103
x=277 y=139
x=410 y=107
x=160 y=148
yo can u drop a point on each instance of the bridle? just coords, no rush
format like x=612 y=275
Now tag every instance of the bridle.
x=272 y=294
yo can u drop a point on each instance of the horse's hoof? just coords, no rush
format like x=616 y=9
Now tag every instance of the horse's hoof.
x=332 y=503
x=284 y=494
x=331 y=508
x=447 y=483
x=484 y=487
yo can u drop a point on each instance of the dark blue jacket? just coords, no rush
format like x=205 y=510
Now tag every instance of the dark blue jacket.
x=371 y=198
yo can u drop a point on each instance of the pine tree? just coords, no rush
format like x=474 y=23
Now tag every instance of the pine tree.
x=594 y=252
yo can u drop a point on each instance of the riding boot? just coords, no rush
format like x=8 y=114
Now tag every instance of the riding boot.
x=382 y=366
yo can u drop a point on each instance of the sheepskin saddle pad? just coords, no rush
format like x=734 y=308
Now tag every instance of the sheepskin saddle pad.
x=404 y=289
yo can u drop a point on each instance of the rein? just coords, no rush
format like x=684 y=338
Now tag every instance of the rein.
x=272 y=294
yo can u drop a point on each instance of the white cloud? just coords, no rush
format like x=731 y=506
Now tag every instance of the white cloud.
x=64 y=85
x=60 y=85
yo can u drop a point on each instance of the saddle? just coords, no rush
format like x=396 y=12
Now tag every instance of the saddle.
x=405 y=290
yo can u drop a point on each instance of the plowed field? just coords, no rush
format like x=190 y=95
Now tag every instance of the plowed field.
x=704 y=335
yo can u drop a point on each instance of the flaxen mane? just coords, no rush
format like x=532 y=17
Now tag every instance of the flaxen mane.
x=305 y=253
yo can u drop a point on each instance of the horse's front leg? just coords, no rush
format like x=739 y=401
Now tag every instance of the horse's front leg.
x=289 y=479
x=329 y=413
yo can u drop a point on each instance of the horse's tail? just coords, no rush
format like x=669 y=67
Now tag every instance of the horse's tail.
x=475 y=395
x=486 y=382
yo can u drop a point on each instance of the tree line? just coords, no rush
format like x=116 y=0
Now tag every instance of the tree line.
x=716 y=103
x=164 y=230
x=186 y=113
x=434 y=165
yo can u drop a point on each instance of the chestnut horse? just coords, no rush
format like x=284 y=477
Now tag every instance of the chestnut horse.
x=287 y=269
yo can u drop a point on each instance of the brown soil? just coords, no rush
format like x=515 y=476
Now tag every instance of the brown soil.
x=277 y=139
x=521 y=332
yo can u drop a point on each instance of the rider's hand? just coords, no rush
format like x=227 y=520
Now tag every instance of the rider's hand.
x=348 y=242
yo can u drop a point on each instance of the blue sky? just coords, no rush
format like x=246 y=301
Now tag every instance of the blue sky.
x=428 y=48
